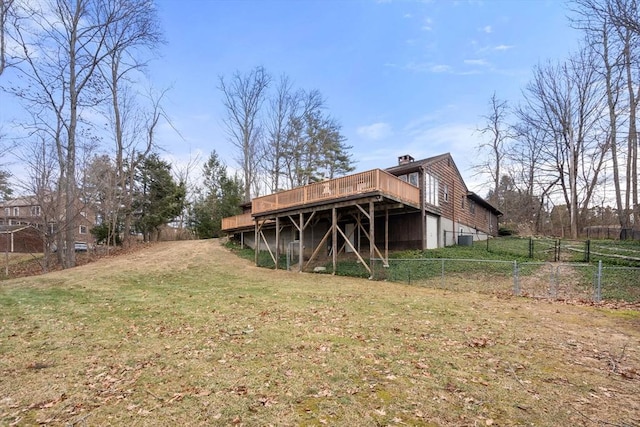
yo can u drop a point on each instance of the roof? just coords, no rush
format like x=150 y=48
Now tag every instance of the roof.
x=19 y=201
x=417 y=164
x=479 y=200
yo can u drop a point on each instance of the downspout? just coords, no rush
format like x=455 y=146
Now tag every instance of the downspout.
x=454 y=201
x=423 y=215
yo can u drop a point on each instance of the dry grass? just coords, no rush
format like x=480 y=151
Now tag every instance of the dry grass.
x=186 y=333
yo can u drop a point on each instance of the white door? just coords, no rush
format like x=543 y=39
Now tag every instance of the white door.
x=349 y=230
x=432 y=232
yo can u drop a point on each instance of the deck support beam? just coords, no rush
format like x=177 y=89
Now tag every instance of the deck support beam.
x=334 y=238
x=372 y=238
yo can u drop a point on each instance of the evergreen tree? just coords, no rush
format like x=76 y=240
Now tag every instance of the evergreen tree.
x=159 y=199
x=220 y=198
x=5 y=190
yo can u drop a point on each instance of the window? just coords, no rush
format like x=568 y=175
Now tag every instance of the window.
x=16 y=211
x=83 y=229
x=445 y=193
x=7 y=211
x=413 y=179
x=462 y=202
x=431 y=187
x=35 y=210
x=403 y=177
x=472 y=206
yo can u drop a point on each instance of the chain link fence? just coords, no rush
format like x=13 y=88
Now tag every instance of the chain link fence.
x=624 y=253
x=562 y=281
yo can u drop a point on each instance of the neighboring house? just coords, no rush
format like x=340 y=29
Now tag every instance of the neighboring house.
x=26 y=211
x=422 y=204
x=20 y=238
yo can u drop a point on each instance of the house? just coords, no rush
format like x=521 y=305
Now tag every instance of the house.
x=422 y=204
x=20 y=238
x=28 y=212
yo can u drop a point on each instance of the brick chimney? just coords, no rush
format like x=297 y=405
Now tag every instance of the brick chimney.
x=406 y=159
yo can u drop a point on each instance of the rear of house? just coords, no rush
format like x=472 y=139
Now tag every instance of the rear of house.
x=448 y=209
x=422 y=204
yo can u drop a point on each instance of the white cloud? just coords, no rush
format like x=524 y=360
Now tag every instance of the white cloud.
x=480 y=62
x=428 y=67
x=428 y=24
x=375 y=131
x=503 y=47
x=487 y=29
x=430 y=139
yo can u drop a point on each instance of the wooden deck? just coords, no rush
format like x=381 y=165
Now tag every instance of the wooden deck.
x=239 y=221
x=373 y=181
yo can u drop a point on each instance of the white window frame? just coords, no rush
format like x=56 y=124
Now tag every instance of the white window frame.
x=16 y=211
x=431 y=189
x=83 y=229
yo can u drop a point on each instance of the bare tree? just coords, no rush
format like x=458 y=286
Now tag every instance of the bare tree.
x=281 y=108
x=565 y=102
x=496 y=130
x=62 y=43
x=612 y=33
x=6 y=9
x=243 y=96
x=126 y=41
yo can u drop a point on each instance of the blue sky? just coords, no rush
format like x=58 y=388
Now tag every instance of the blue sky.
x=402 y=77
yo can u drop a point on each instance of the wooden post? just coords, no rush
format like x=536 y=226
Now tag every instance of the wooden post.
x=277 y=257
x=301 y=242
x=372 y=238
x=256 y=242
x=386 y=235
x=334 y=238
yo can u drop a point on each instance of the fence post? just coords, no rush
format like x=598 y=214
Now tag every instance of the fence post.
x=516 y=280
x=598 y=296
x=531 y=247
x=554 y=279
x=587 y=251
x=442 y=273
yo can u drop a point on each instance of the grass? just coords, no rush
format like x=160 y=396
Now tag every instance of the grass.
x=188 y=333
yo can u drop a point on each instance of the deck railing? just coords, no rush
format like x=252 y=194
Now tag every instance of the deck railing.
x=363 y=182
x=238 y=221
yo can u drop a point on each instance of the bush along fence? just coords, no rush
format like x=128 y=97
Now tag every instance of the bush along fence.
x=562 y=281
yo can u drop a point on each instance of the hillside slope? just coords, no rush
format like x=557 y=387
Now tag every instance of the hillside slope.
x=186 y=333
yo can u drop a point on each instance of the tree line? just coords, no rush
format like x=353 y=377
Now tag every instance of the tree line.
x=78 y=70
x=569 y=148
x=88 y=143
x=283 y=138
